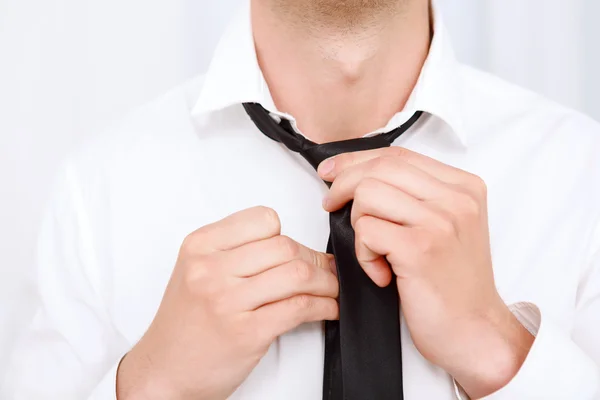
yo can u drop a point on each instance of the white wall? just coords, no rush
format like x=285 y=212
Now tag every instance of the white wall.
x=68 y=68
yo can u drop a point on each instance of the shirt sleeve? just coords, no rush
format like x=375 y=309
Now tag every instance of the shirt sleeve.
x=563 y=363
x=70 y=350
x=558 y=365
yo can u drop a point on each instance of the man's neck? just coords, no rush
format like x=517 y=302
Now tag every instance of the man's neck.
x=340 y=78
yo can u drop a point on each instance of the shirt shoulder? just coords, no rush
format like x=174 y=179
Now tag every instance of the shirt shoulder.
x=490 y=101
x=161 y=118
x=141 y=135
x=500 y=114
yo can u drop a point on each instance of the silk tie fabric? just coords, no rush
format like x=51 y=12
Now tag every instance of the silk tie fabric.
x=363 y=354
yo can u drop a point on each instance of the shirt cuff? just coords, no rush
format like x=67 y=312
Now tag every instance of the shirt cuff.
x=555 y=368
x=107 y=389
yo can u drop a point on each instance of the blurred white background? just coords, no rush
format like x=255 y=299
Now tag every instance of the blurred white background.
x=69 y=68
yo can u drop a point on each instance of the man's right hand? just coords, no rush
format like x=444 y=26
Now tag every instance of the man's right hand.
x=237 y=286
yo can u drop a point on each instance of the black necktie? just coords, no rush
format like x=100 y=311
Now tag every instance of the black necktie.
x=363 y=355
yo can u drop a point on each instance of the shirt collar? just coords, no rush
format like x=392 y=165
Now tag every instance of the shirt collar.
x=234 y=77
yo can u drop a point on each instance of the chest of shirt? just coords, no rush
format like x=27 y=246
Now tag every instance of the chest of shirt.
x=532 y=241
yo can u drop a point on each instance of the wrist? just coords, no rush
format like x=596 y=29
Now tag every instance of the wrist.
x=498 y=347
x=135 y=381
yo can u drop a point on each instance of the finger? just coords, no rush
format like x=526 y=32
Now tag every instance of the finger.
x=288 y=280
x=332 y=167
x=243 y=227
x=380 y=200
x=286 y=315
x=375 y=266
x=373 y=263
x=378 y=241
x=257 y=257
x=392 y=171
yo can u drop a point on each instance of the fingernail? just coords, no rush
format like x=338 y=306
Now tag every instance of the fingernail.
x=326 y=202
x=327 y=167
x=333 y=265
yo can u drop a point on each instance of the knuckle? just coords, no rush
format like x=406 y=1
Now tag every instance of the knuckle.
x=196 y=277
x=303 y=302
x=324 y=309
x=478 y=186
x=199 y=280
x=361 y=226
x=289 y=247
x=465 y=204
x=331 y=309
x=303 y=271
x=198 y=269
x=377 y=164
x=364 y=192
x=319 y=259
x=360 y=194
x=333 y=286
x=470 y=206
x=190 y=243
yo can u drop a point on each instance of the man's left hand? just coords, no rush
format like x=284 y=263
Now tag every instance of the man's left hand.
x=429 y=221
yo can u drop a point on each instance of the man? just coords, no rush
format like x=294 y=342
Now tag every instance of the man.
x=483 y=217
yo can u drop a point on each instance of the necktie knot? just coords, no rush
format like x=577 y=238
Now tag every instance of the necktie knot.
x=314 y=153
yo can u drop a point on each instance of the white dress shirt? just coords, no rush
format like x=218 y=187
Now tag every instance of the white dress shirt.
x=123 y=204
